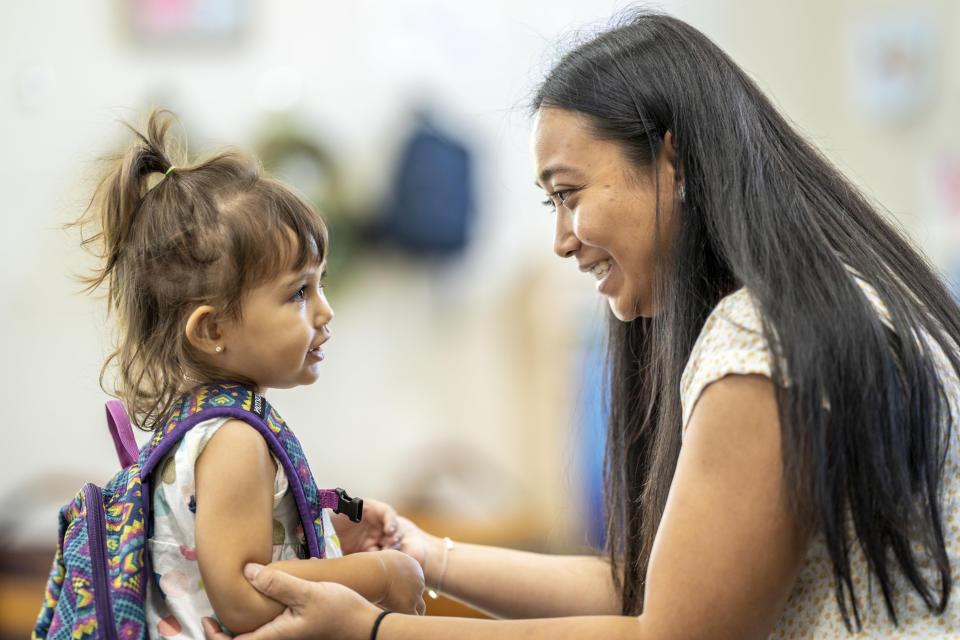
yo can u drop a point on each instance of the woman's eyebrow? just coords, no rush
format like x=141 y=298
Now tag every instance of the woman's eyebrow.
x=549 y=172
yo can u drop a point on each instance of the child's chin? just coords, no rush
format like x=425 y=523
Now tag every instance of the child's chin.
x=306 y=376
x=309 y=377
x=282 y=384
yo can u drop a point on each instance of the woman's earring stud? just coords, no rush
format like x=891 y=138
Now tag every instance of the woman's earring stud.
x=219 y=349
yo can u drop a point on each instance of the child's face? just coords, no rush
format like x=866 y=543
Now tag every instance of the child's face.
x=277 y=341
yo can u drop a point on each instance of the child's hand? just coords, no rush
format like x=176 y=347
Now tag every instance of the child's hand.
x=413 y=541
x=376 y=531
x=403 y=591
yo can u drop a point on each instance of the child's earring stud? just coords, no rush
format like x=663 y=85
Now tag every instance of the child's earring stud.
x=219 y=349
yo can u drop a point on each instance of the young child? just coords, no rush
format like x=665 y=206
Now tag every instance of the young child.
x=214 y=273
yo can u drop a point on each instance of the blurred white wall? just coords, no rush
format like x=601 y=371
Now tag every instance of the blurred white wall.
x=432 y=367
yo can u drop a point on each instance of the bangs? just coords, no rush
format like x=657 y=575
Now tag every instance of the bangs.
x=293 y=237
x=272 y=231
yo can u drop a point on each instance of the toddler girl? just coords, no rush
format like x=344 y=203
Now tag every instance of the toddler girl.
x=214 y=273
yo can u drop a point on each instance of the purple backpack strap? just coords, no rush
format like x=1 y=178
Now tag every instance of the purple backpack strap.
x=119 y=423
x=236 y=401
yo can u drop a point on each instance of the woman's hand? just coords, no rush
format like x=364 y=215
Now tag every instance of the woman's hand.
x=377 y=530
x=315 y=610
x=403 y=590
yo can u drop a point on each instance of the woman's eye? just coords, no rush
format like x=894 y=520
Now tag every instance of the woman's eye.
x=556 y=199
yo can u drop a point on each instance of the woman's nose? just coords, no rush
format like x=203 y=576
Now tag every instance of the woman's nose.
x=565 y=242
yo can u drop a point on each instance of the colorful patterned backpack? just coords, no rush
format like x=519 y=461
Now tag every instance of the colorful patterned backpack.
x=97 y=586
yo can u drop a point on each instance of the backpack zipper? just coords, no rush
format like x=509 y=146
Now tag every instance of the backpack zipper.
x=97 y=528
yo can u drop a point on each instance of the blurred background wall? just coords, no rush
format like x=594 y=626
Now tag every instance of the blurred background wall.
x=459 y=383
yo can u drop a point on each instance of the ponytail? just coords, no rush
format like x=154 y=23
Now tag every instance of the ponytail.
x=120 y=193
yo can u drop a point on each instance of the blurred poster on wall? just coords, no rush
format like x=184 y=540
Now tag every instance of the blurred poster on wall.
x=943 y=193
x=894 y=66
x=198 y=21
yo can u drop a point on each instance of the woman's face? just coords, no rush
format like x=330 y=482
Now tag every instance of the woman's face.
x=606 y=208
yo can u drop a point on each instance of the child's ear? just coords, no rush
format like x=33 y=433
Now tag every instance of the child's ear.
x=204 y=331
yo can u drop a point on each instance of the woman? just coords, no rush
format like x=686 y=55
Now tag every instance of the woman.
x=782 y=459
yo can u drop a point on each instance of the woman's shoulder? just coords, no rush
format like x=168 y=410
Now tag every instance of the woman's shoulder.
x=736 y=311
x=734 y=327
x=730 y=342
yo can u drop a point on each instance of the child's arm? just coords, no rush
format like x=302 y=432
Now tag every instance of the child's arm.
x=234 y=526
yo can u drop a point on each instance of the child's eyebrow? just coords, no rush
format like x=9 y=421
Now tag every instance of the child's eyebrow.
x=302 y=275
x=293 y=280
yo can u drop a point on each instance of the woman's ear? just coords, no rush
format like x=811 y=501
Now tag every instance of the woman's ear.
x=203 y=330
x=667 y=160
x=668 y=152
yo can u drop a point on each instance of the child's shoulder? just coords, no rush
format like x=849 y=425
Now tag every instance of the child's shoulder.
x=237 y=442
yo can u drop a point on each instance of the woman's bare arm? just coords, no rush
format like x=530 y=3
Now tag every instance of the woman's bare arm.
x=506 y=583
x=723 y=563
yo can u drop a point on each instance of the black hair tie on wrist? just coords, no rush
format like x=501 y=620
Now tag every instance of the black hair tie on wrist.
x=376 y=624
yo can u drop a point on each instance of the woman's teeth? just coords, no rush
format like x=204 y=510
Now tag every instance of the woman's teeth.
x=601 y=269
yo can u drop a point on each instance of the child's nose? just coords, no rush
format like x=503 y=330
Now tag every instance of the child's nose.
x=324 y=312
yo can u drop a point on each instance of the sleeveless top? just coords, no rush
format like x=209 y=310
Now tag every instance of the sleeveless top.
x=176 y=600
x=732 y=342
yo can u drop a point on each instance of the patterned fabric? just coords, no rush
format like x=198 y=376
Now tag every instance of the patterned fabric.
x=102 y=533
x=176 y=598
x=236 y=401
x=70 y=609
x=732 y=342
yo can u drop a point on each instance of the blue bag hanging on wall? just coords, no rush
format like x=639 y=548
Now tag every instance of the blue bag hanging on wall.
x=429 y=207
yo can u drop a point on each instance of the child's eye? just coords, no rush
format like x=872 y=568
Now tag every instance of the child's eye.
x=299 y=294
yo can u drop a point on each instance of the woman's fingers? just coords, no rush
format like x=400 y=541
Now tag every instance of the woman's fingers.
x=212 y=630
x=280 y=586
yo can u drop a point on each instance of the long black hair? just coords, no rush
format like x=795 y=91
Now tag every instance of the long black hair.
x=864 y=416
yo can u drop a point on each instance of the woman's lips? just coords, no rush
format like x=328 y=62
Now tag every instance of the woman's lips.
x=601 y=270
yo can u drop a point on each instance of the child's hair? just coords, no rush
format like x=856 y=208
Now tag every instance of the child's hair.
x=174 y=237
